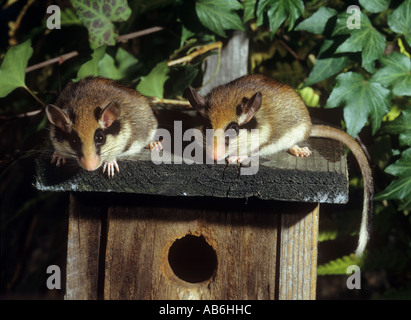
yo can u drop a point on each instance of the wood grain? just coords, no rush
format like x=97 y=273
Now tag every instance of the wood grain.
x=139 y=239
x=233 y=62
x=264 y=249
x=298 y=250
x=83 y=250
x=322 y=177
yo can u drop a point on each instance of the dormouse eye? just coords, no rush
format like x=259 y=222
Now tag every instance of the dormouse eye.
x=74 y=141
x=233 y=126
x=230 y=132
x=99 y=137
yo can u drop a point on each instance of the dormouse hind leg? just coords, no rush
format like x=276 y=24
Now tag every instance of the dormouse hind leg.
x=110 y=166
x=58 y=159
x=300 y=152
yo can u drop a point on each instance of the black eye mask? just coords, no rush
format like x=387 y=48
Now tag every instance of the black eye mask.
x=234 y=126
x=99 y=137
x=71 y=137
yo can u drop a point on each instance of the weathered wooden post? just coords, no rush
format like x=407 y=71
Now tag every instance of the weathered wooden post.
x=199 y=231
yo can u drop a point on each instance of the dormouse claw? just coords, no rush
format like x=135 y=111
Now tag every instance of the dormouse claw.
x=58 y=159
x=155 y=145
x=237 y=159
x=110 y=166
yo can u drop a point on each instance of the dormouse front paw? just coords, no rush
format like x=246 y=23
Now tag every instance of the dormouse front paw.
x=237 y=159
x=155 y=145
x=110 y=166
x=58 y=159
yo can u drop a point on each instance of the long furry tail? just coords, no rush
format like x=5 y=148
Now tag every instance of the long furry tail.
x=339 y=135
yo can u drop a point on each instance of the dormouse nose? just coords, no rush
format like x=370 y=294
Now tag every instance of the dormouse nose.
x=90 y=162
x=217 y=150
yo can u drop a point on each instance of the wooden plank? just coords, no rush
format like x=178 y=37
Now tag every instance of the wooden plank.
x=322 y=177
x=233 y=62
x=83 y=248
x=298 y=255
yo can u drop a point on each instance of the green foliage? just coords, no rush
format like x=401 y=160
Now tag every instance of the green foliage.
x=362 y=98
x=98 y=17
x=387 y=257
x=365 y=73
x=219 y=16
x=401 y=187
x=277 y=11
x=397 y=294
x=13 y=68
x=309 y=96
x=119 y=67
x=338 y=266
x=401 y=126
x=396 y=73
x=153 y=83
x=374 y=6
x=326 y=65
x=90 y=68
x=399 y=20
x=317 y=22
x=366 y=40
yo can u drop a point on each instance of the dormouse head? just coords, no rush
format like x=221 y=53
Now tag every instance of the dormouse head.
x=227 y=113
x=82 y=133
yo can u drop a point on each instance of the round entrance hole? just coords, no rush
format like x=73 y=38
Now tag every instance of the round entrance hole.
x=192 y=259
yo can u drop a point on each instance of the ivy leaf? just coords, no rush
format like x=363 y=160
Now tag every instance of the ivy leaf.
x=326 y=65
x=90 y=68
x=363 y=99
x=219 y=16
x=399 y=20
x=185 y=35
x=98 y=17
x=366 y=40
x=401 y=126
x=396 y=73
x=13 y=68
x=277 y=11
x=316 y=23
x=374 y=6
x=249 y=10
x=152 y=85
x=118 y=68
x=68 y=17
x=325 y=68
x=180 y=78
x=400 y=188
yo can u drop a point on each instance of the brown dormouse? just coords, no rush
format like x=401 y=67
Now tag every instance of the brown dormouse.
x=98 y=121
x=282 y=120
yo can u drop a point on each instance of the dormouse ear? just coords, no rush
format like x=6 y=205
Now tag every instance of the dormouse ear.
x=109 y=114
x=58 y=117
x=249 y=108
x=196 y=100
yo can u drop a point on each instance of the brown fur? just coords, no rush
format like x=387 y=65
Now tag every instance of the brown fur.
x=277 y=101
x=82 y=101
x=284 y=117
